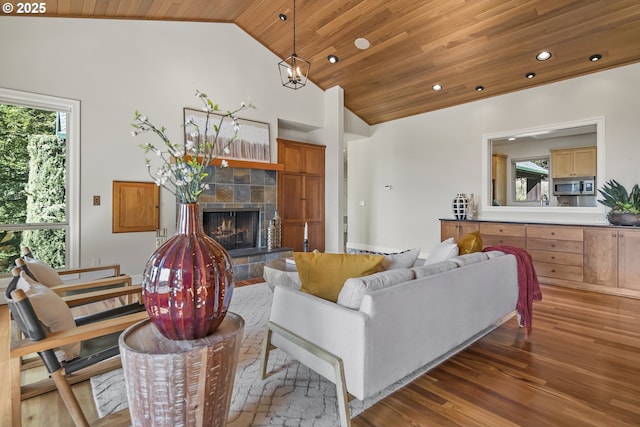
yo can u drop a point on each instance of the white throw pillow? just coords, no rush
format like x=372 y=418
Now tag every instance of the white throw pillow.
x=52 y=311
x=43 y=273
x=404 y=259
x=442 y=251
x=354 y=289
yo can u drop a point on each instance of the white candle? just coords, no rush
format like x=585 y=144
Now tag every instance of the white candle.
x=306 y=231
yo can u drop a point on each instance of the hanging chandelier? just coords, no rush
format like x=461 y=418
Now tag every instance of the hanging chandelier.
x=294 y=70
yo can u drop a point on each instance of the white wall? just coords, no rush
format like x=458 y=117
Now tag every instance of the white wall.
x=428 y=158
x=116 y=67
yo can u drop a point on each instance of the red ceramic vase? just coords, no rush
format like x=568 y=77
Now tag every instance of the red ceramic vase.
x=188 y=281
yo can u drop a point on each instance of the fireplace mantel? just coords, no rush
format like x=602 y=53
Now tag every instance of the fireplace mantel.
x=246 y=164
x=249 y=165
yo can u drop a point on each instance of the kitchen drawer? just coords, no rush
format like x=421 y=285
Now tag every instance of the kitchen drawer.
x=492 y=240
x=501 y=229
x=567 y=272
x=562 y=258
x=555 y=245
x=558 y=233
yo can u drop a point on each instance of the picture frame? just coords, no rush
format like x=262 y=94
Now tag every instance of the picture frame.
x=252 y=144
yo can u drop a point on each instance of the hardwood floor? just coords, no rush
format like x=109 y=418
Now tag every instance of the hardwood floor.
x=579 y=367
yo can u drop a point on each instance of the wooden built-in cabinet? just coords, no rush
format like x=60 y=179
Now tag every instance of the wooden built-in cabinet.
x=301 y=193
x=457 y=229
x=556 y=251
x=499 y=178
x=500 y=233
x=596 y=258
x=611 y=257
x=573 y=162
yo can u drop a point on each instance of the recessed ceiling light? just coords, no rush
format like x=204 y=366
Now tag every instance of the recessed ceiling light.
x=543 y=56
x=595 y=58
x=479 y=88
x=333 y=59
x=436 y=87
x=362 y=43
x=512 y=138
x=530 y=75
x=282 y=17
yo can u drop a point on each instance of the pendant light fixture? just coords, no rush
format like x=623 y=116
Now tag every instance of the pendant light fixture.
x=294 y=70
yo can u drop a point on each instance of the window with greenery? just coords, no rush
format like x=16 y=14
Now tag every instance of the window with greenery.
x=531 y=180
x=33 y=185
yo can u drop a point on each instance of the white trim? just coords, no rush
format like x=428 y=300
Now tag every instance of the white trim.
x=486 y=168
x=72 y=108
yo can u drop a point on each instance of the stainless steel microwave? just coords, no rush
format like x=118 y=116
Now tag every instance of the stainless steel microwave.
x=574 y=186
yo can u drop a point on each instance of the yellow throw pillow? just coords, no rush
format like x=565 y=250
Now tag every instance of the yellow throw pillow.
x=471 y=242
x=323 y=275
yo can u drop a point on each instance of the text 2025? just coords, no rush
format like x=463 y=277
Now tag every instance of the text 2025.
x=31 y=7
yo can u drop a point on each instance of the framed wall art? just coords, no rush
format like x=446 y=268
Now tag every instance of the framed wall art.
x=252 y=143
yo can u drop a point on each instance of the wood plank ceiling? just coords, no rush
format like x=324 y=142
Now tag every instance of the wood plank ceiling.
x=459 y=44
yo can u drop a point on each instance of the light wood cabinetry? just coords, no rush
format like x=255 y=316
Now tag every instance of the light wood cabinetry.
x=611 y=257
x=573 y=162
x=456 y=229
x=301 y=193
x=499 y=178
x=557 y=251
x=498 y=233
x=595 y=258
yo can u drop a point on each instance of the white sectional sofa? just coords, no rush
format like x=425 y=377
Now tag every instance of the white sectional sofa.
x=388 y=330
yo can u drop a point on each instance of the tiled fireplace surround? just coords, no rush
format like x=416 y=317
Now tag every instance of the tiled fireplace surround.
x=242 y=188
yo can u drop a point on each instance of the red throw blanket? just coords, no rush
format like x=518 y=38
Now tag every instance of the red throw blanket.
x=528 y=285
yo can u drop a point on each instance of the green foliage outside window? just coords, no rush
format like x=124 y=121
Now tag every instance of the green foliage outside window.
x=32 y=184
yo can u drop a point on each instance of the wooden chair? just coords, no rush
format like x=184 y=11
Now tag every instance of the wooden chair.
x=110 y=277
x=98 y=334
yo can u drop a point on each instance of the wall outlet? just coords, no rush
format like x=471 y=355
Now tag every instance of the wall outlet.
x=96 y=200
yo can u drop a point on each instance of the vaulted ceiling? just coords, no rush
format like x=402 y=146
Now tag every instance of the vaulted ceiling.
x=458 y=44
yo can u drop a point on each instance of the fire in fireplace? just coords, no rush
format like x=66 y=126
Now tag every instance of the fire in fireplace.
x=232 y=228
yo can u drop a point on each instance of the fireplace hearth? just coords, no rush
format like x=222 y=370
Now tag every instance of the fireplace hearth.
x=232 y=228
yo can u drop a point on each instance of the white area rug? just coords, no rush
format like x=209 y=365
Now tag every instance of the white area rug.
x=292 y=394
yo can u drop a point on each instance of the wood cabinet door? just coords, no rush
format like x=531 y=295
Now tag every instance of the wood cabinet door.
x=456 y=229
x=313 y=198
x=601 y=256
x=562 y=164
x=448 y=229
x=584 y=161
x=292 y=157
x=629 y=267
x=290 y=197
x=499 y=175
x=293 y=235
x=314 y=161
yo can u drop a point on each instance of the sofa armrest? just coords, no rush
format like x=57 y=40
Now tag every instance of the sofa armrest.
x=318 y=321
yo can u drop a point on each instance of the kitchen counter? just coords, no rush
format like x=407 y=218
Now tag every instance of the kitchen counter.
x=539 y=222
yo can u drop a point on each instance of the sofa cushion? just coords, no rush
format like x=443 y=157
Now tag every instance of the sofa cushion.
x=323 y=274
x=435 y=268
x=494 y=254
x=355 y=288
x=442 y=251
x=467 y=259
x=52 y=311
x=404 y=259
x=469 y=243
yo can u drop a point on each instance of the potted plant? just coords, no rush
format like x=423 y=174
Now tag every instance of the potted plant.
x=625 y=206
